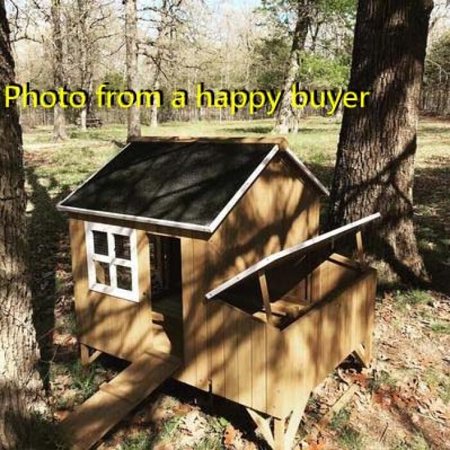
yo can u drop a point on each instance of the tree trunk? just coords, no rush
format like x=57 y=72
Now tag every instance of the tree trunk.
x=59 y=123
x=375 y=157
x=83 y=119
x=20 y=385
x=134 y=120
x=82 y=39
x=287 y=118
x=154 y=110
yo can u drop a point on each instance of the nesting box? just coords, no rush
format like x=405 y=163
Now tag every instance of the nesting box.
x=205 y=254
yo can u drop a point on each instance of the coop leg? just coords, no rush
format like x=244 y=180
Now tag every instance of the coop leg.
x=364 y=353
x=86 y=357
x=278 y=433
x=263 y=426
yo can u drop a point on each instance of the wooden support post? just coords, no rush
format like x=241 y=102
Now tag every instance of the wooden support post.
x=294 y=423
x=263 y=426
x=87 y=358
x=265 y=296
x=359 y=246
x=278 y=433
x=363 y=355
x=282 y=437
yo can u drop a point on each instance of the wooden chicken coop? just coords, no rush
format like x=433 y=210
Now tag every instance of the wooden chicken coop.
x=200 y=259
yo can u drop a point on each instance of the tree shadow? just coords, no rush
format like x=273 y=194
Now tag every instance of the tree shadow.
x=46 y=227
x=432 y=205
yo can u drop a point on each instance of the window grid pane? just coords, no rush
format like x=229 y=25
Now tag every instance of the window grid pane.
x=124 y=278
x=102 y=273
x=122 y=248
x=100 y=242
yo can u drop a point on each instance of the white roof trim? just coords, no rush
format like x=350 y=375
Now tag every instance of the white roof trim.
x=137 y=219
x=307 y=172
x=243 y=189
x=297 y=249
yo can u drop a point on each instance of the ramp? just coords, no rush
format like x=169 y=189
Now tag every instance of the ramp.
x=97 y=415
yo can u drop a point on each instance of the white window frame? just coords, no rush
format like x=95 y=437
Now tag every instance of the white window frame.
x=112 y=261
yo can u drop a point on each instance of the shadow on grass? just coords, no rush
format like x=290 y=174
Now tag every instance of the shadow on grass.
x=267 y=129
x=432 y=202
x=46 y=228
x=263 y=129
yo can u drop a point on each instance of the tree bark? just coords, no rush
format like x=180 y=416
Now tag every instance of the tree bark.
x=20 y=384
x=375 y=158
x=134 y=120
x=287 y=118
x=59 y=124
x=82 y=41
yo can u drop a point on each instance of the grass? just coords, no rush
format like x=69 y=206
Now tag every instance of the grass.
x=438 y=382
x=381 y=378
x=440 y=327
x=139 y=441
x=84 y=378
x=348 y=437
x=414 y=297
x=418 y=442
x=351 y=439
x=340 y=419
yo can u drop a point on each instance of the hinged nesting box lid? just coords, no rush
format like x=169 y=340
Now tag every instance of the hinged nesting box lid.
x=293 y=253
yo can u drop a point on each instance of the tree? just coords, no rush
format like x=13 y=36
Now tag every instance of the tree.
x=59 y=124
x=131 y=44
x=286 y=120
x=20 y=385
x=375 y=158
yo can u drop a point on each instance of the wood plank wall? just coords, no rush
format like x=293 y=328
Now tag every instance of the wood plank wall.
x=110 y=324
x=278 y=211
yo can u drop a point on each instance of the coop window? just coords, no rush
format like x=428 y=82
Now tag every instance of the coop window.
x=112 y=260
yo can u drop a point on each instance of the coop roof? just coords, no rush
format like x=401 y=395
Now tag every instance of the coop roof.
x=181 y=183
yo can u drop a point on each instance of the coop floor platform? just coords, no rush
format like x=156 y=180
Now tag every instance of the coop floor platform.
x=97 y=415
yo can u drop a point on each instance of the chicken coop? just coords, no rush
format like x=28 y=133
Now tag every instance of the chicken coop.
x=201 y=259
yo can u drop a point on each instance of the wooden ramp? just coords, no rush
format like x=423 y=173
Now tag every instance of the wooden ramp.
x=97 y=415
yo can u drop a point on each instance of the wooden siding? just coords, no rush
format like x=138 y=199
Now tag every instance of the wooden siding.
x=272 y=370
x=278 y=211
x=119 y=327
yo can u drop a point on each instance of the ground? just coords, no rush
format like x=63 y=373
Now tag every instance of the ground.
x=401 y=402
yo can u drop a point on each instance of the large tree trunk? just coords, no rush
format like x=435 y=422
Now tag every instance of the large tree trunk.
x=287 y=118
x=134 y=121
x=375 y=157
x=20 y=385
x=59 y=123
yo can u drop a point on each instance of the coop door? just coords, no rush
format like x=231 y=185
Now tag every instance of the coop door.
x=165 y=266
x=166 y=303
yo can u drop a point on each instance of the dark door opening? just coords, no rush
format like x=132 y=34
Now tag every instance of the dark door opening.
x=166 y=293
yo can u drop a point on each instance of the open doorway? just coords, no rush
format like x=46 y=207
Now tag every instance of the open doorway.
x=166 y=293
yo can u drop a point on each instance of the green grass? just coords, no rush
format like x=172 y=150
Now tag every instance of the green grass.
x=439 y=382
x=381 y=378
x=417 y=443
x=351 y=439
x=340 y=419
x=414 y=297
x=139 y=441
x=84 y=378
x=440 y=327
